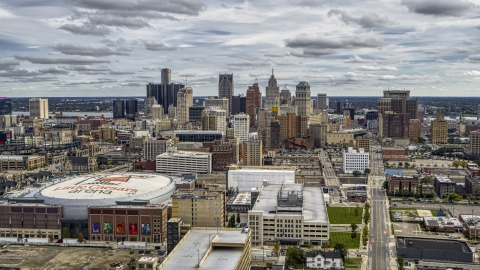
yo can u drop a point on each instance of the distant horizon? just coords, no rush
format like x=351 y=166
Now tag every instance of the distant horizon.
x=212 y=95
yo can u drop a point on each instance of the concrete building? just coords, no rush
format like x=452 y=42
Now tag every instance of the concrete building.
x=153 y=148
x=221 y=103
x=404 y=185
x=363 y=143
x=303 y=99
x=226 y=90
x=272 y=92
x=241 y=126
x=414 y=129
x=322 y=101
x=393 y=125
x=433 y=250
x=156 y=111
x=290 y=214
x=398 y=101
x=285 y=95
x=472 y=185
x=211 y=249
x=174 y=161
x=324 y=260
x=184 y=102
x=439 y=130
x=118 y=108
x=200 y=207
x=38 y=107
x=247 y=179
x=342 y=139
x=254 y=102
x=443 y=185
x=474 y=148
x=264 y=136
x=292 y=125
x=214 y=118
x=472 y=225
x=319 y=133
x=252 y=153
x=355 y=161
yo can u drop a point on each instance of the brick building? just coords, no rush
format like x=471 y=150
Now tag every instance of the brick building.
x=443 y=185
x=472 y=185
x=395 y=153
x=402 y=184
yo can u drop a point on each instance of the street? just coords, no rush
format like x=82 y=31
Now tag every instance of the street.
x=331 y=179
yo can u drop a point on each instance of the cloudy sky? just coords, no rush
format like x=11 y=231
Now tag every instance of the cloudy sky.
x=341 y=47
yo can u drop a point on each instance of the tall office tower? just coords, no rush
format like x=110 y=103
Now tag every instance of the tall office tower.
x=292 y=125
x=149 y=102
x=252 y=153
x=155 y=147
x=156 y=111
x=239 y=104
x=339 y=106
x=398 y=101
x=241 y=126
x=275 y=142
x=351 y=112
x=38 y=107
x=165 y=92
x=118 y=108
x=214 y=118
x=5 y=106
x=131 y=106
x=322 y=101
x=414 y=129
x=254 y=101
x=439 y=130
x=272 y=93
x=393 y=125
x=475 y=142
x=195 y=113
x=421 y=113
x=285 y=95
x=348 y=119
x=184 y=101
x=264 y=118
x=264 y=136
x=303 y=99
x=221 y=103
x=226 y=89
x=319 y=132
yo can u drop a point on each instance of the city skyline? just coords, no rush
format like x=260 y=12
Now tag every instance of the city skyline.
x=341 y=48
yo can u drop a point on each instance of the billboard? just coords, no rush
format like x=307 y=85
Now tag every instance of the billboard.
x=5 y=137
x=95 y=227
x=120 y=229
x=107 y=227
x=146 y=228
x=132 y=228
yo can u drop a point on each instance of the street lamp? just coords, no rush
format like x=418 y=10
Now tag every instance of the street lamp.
x=198 y=258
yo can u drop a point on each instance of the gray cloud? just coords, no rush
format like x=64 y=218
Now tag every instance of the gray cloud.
x=7 y=64
x=356 y=59
x=45 y=60
x=464 y=50
x=71 y=49
x=189 y=7
x=19 y=73
x=91 y=70
x=371 y=68
x=326 y=42
x=118 y=21
x=371 y=20
x=152 y=45
x=37 y=79
x=474 y=58
x=120 y=73
x=53 y=70
x=307 y=3
x=87 y=29
x=440 y=7
x=100 y=81
x=312 y=52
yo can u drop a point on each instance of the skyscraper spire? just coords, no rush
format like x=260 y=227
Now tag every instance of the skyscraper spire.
x=272 y=72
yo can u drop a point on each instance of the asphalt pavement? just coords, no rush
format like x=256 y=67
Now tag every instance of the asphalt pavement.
x=328 y=171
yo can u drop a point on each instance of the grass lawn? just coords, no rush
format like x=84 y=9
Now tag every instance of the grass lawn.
x=435 y=212
x=341 y=237
x=352 y=263
x=344 y=215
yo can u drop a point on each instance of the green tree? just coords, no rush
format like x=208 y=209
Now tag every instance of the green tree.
x=231 y=222
x=406 y=165
x=367 y=171
x=356 y=173
x=353 y=235
x=340 y=247
x=294 y=255
x=357 y=210
x=353 y=227
x=400 y=164
x=80 y=238
x=66 y=233
x=238 y=217
x=401 y=263
x=454 y=197
x=276 y=248
x=366 y=217
x=365 y=235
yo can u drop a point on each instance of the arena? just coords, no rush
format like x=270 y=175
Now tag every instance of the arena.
x=76 y=194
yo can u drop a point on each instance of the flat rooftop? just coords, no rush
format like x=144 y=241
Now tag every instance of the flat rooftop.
x=443 y=221
x=435 y=244
x=226 y=252
x=443 y=178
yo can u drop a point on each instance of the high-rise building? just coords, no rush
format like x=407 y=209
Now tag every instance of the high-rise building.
x=184 y=102
x=355 y=161
x=292 y=126
x=264 y=136
x=275 y=142
x=272 y=93
x=195 y=113
x=221 y=103
x=239 y=104
x=319 y=132
x=475 y=143
x=398 y=101
x=415 y=128
x=226 y=89
x=322 y=101
x=149 y=102
x=285 y=95
x=207 y=211
x=166 y=92
x=339 y=106
x=153 y=148
x=347 y=118
x=118 y=108
x=393 y=125
x=252 y=153
x=38 y=107
x=214 y=118
x=5 y=106
x=303 y=99
x=156 y=111
x=254 y=101
x=131 y=106
x=241 y=126
x=439 y=130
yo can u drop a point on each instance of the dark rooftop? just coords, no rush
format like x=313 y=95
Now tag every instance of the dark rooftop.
x=440 y=245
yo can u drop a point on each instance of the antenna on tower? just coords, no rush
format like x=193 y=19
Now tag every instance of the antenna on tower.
x=256 y=81
x=272 y=71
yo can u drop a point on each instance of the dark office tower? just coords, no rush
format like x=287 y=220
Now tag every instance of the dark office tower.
x=394 y=125
x=5 y=106
x=351 y=112
x=371 y=115
x=340 y=106
x=131 y=106
x=254 y=101
x=195 y=114
x=239 y=104
x=166 y=76
x=398 y=101
x=118 y=108
x=285 y=94
x=226 y=89
x=166 y=92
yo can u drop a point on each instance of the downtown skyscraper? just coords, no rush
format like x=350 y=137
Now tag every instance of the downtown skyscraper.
x=226 y=89
x=272 y=93
x=166 y=92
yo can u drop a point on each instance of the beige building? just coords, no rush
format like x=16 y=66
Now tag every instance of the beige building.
x=156 y=111
x=241 y=126
x=414 y=129
x=221 y=103
x=364 y=143
x=8 y=163
x=107 y=133
x=293 y=126
x=264 y=136
x=319 y=133
x=184 y=101
x=340 y=139
x=303 y=99
x=475 y=142
x=38 y=108
x=163 y=125
x=153 y=148
x=200 y=207
x=214 y=118
x=252 y=153
x=439 y=130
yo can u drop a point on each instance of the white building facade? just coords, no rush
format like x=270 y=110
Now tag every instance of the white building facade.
x=241 y=126
x=354 y=160
x=174 y=161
